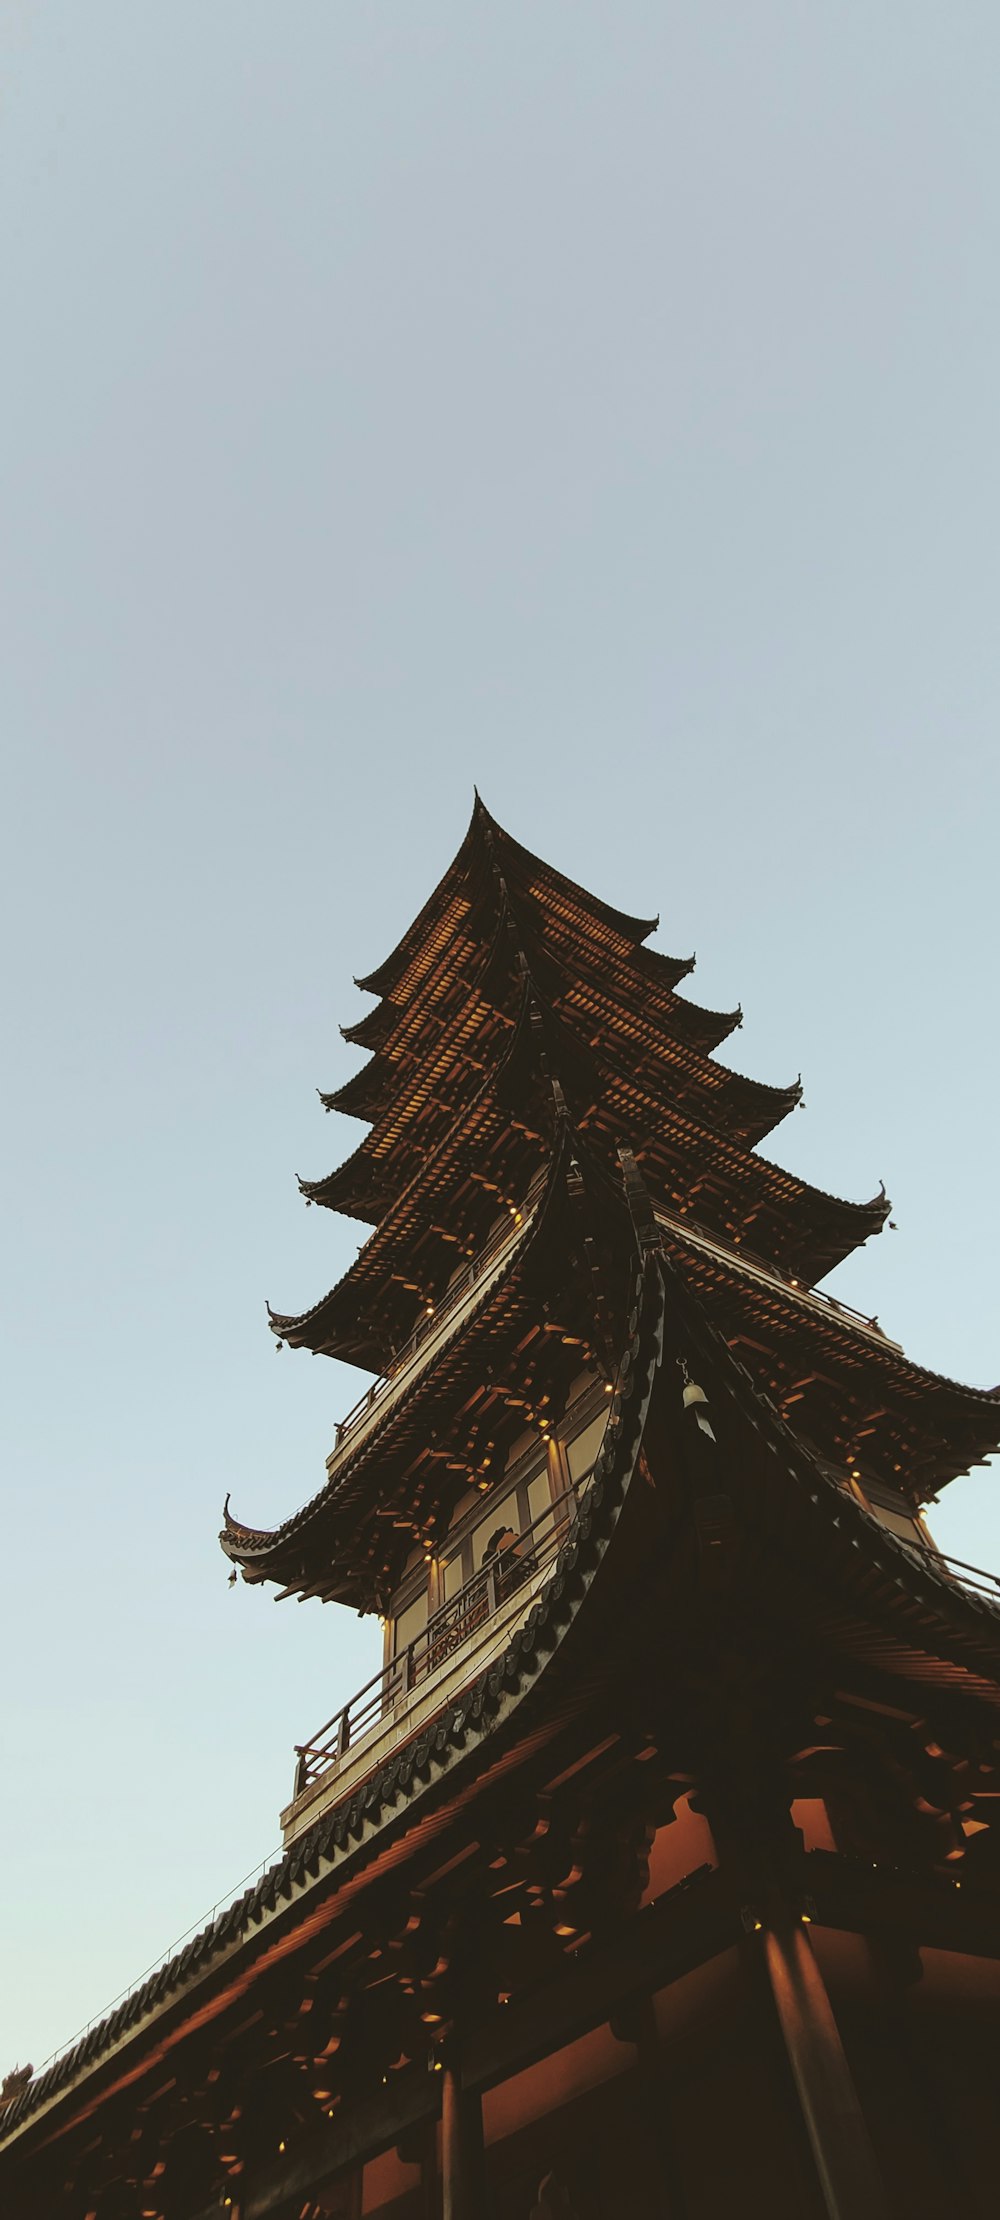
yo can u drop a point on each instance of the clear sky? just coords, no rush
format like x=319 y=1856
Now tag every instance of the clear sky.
x=595 y=402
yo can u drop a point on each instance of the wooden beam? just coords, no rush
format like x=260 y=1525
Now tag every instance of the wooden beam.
x=931 y=1911
x=688 y=1926
x=367 y=2128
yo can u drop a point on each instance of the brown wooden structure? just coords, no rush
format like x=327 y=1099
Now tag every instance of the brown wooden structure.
x=657 y=1871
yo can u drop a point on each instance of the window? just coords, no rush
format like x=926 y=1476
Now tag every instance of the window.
x=581 y=1452
x=453 y=1575
x=539 y=1496
x=411 y=1622
x=892 y=1510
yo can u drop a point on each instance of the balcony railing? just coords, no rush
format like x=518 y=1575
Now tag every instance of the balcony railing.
x=487 y=1257
x=978 y=1582
x=493 y=1592
x=435 y=1318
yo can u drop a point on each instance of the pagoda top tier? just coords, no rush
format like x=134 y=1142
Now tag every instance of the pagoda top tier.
x=526 y=1047
x=515 y=994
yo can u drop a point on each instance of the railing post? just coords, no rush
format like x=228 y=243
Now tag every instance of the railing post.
x=492 y=1588
x=344 y=1731
x=407 y=1668
x=301 y=1774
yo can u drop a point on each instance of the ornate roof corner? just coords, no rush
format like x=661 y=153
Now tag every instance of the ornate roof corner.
x=637 y=1196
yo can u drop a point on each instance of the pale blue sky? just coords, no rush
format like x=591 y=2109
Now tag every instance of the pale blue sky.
x=598 y=403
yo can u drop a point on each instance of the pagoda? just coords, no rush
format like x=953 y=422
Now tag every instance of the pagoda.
x=656 y=1870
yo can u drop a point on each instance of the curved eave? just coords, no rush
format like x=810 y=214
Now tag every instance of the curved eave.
x=700 y=1028
x=513 y=856
x=262 y=1547
x=393 y=967
x=847 y=1227
x=754 y=1109
x=822 y=1561
x=510 y=1085
x=744 y=1108
x=353 y=1189
x=475 y=1001
x=826 y=1229
x=476 y=1332
x=371 y=1032
x=350 y=1836
x=487 y=848
x=533 y=1685
x=968 y=1416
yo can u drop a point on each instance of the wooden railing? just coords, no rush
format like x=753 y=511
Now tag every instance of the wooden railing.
x=454 y=1295
x=490 y=1592
x=978 y=1582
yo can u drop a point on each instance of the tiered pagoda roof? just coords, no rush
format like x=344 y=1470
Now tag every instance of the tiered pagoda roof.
x=511 y=969
x=719 y=1631
x=524 y=1036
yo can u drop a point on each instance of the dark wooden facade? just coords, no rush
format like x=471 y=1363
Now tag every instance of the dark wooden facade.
x=658 y=1870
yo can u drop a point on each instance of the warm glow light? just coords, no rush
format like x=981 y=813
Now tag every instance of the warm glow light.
x=281 y=2145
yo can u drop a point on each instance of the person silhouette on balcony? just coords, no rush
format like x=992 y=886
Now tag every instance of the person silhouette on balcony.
x=514 y=1563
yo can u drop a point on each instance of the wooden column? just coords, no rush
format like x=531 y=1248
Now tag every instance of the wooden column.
x=747 y=1801
x=841 y=2146
x=461 y=2148
x=430 y=2186
x=636 y=2024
